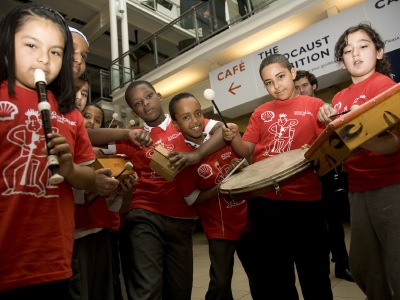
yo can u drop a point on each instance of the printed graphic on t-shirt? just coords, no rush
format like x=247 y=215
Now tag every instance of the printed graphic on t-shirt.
x=28 y=173
x=206 y=171
x=360 y=100
x=283 y=131
x=338 y=107
x=7 y=110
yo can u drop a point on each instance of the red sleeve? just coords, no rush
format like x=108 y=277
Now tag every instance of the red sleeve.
x=252 y=133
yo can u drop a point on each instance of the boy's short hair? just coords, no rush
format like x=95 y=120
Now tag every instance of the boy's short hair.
x=275 y=59
x=133 y=85
x=176 y=98
x=310 y=76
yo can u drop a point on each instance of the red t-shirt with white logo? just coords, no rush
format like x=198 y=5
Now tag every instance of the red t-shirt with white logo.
x=368 y=170
x=152 y=192
x=280 y=126
x=219 y=218
x=36 y=218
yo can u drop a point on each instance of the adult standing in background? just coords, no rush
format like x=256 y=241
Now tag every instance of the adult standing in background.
x=306 y=84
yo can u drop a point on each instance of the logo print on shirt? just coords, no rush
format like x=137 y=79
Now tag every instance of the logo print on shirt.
x=338 y=106
x=283 y=131
x=362 y=97
x=226 y=155
x=28 y=172
x=222 y=171
x=7 y=110
x=174 y=136
x=267 y=116
x=205 y=171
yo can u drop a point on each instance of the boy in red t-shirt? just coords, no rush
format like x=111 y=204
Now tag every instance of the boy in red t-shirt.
x=160 y=224
x=226 y=223
x=291 y=225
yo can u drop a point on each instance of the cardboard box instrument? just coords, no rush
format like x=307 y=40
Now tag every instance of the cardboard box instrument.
x=159 y=163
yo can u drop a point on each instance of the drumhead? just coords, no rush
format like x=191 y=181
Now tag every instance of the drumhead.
x=262 y=174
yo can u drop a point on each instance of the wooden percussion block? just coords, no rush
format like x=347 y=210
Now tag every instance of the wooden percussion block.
x=115 y=163
x=343 y=137
x=159 y=163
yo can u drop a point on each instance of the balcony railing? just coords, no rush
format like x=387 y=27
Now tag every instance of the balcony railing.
x=190 y=29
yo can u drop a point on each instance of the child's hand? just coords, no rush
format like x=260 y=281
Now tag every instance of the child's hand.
x=97 y=151
x=126 y=185
x=104 y=184
x=63 y=151
x=180 y=160
x=233 y=163
x=325 y=112
x=230 y=133
x=141 y=138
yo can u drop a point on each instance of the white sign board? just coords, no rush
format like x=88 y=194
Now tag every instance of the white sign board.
x=234 y=82
x=238 y=84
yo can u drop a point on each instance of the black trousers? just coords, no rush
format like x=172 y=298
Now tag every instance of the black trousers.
x=332 y=199
x=160 y=256
x=46 y=291
x=288 y=234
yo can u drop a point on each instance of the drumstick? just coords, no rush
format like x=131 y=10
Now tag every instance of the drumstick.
x=114 y=116
x=342 y=113
x=234 y=169
x=131 y=123
x=209 y=94
x=127 y=166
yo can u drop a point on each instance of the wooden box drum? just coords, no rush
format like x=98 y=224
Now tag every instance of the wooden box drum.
x=267 y=175
x=159 y=163
x=115 y=163
x=343 y=136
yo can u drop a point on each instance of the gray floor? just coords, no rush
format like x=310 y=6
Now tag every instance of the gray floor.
x=341 y=289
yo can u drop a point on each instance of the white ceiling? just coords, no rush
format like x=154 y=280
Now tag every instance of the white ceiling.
x=189 y=72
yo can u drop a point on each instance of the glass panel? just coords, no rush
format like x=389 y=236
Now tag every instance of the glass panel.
x=196 y=25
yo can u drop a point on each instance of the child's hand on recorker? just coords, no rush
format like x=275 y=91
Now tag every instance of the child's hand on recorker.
x=230 y=133
x=325 y=112
x=141 y=138
x=63 y=151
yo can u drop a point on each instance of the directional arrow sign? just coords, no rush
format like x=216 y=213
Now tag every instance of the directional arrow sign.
x=233 y=88
x=235 y=84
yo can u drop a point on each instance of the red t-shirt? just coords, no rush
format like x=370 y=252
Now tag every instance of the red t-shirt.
x=280 y=126
x=219 y=219
x=96 y=215
x=152 y=192
x=36 y=218
x=368 y=170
